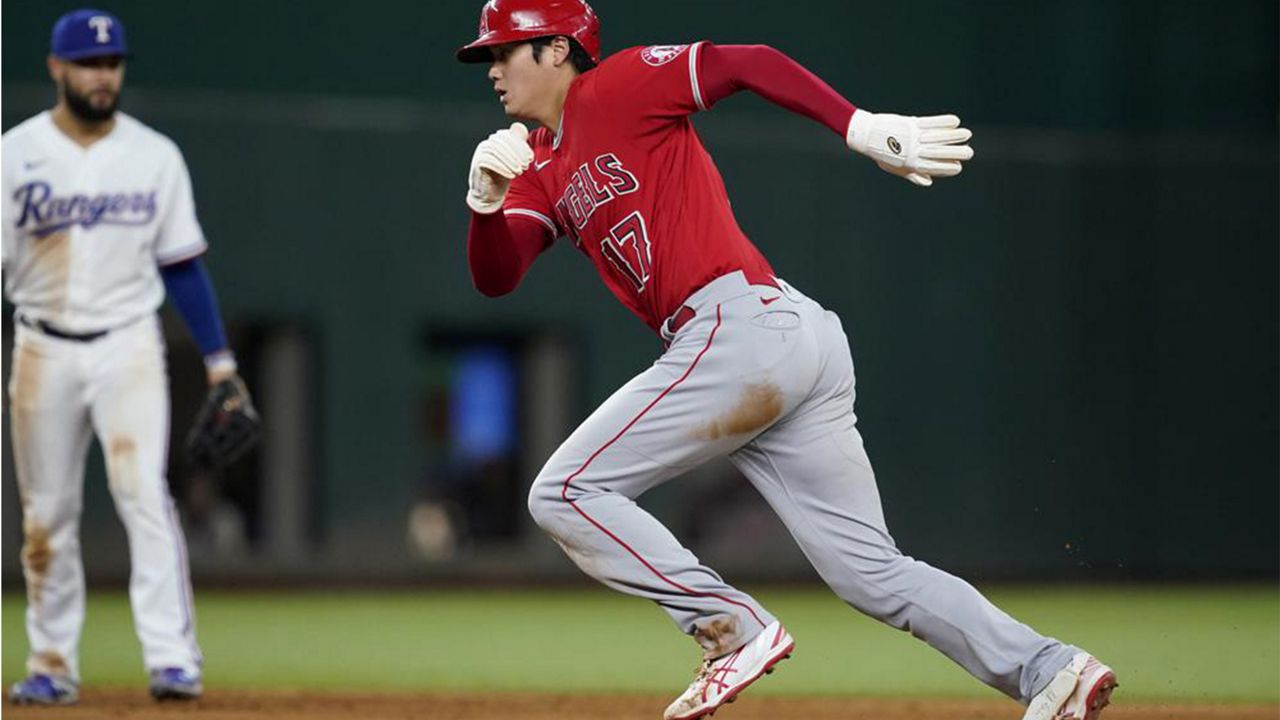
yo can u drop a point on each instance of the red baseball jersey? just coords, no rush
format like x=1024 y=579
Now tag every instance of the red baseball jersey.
x=628 y=180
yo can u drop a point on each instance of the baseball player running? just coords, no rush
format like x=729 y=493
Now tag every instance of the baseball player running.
x=98 y=221
x=753 y=369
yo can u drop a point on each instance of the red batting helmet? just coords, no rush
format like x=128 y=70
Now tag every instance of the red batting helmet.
x=504 y=21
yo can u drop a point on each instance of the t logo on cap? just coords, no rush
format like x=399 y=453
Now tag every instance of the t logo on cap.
x=88 y=33
x=102 y=24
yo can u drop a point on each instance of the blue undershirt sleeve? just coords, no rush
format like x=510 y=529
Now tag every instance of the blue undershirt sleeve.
x=191 y=292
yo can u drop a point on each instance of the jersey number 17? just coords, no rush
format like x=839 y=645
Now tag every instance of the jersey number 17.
x=628 y=250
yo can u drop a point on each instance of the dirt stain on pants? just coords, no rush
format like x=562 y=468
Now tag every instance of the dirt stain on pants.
x=122 y=466
x=759 y=405
x=718 y=636
x=37 y=556
x=49 y=663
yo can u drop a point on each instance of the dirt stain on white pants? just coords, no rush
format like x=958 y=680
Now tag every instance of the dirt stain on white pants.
x=122 y=466
x=49 y=663
x=37 y=556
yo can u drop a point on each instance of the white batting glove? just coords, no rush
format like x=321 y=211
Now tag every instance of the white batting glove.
x=916 y=148
x=498 y=159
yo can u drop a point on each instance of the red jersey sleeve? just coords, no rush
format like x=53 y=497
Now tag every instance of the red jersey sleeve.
x=726 y=69
x=500 y=251
x=527 y=200
x=527 y=197
x=657 y=81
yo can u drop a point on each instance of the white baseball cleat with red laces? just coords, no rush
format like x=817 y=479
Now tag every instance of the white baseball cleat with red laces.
x=1078 y=692
x=719 y=681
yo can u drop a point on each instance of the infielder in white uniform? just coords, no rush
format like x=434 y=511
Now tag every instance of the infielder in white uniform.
x=98 y=219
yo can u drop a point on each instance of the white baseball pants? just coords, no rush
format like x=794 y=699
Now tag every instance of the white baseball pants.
x=116 y=387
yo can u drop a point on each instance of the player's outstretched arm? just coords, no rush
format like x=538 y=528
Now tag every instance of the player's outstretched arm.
x=916 y=148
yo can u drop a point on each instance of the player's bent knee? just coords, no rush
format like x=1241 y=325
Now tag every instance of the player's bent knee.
x=551 y=499
x=546 y=506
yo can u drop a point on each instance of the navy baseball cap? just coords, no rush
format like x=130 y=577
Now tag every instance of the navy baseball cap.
x=88 y=33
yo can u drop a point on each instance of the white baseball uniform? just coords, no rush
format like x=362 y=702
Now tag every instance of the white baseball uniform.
x=84 y=231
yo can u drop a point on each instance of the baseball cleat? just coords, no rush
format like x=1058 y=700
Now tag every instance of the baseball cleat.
x=175 y=684
x=719 y=681
x=1078 y=692
x=41 y=689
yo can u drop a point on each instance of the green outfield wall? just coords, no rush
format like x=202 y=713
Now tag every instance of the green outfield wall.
x=1067 y=357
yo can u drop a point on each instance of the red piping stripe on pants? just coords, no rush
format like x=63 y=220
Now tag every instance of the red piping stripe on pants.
x=564 y=491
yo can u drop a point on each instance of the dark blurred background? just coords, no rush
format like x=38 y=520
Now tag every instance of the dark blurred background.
x=1068 y=356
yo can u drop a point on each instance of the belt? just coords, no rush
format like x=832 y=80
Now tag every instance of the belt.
x=677 y=320
x=682 y=316
x=53 y=331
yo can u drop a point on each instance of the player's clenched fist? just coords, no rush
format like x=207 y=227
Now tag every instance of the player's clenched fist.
x=498 y=158
x=916 y=148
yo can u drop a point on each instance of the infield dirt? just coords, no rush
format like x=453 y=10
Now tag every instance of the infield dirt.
x=133 y=703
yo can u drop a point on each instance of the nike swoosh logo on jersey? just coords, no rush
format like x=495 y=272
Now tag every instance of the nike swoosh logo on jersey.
x=766 y=301
x=32 y=164
x=539 y=166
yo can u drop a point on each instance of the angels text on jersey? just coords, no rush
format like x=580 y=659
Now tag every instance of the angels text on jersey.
x=627 y=245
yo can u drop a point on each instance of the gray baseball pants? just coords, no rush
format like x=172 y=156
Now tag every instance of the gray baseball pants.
x=763 y=375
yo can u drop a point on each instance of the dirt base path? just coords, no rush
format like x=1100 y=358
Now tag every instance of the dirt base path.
x=226 y=705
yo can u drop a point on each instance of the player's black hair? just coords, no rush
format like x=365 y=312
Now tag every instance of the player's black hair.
x=578 y=56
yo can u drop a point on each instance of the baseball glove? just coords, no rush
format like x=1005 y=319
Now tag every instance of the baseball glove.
x=225 y=427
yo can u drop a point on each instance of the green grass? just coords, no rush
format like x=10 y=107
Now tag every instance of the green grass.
x=1196 y=644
